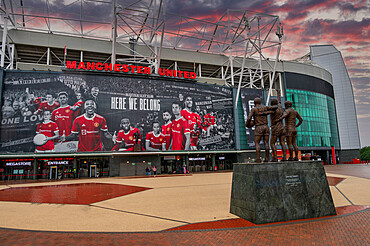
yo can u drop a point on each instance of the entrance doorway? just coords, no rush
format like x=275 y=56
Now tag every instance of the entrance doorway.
x=93 y=171
x=93 y=167
x=53 y=172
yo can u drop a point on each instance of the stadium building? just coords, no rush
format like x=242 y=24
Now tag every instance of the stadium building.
x=146 y=68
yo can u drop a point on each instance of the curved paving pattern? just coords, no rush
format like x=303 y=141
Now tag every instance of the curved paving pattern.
x=171 y=210
x=341 y=230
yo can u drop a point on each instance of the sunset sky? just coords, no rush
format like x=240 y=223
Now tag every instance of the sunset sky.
x=345 y=24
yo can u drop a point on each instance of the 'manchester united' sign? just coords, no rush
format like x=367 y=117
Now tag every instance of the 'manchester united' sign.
x=124 y=68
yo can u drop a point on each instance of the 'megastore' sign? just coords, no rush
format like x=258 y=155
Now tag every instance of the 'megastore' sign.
x=124 y=68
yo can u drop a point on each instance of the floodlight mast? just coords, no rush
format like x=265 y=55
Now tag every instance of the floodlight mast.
x=114 y=31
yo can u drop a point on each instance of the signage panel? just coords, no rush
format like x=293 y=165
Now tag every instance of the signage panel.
x=112 y=113
x=18 y=163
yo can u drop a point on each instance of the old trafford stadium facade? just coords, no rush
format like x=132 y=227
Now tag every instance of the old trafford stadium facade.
x=111 y=98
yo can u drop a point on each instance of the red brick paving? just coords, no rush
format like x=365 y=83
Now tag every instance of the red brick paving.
x=68 y=193
x=220 y=224
x=350 y=209
x=238 y=223
x=349 y=229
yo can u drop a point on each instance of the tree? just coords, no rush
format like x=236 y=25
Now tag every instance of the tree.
x=365 y=153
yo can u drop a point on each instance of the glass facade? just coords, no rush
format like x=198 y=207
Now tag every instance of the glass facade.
x=319 y=127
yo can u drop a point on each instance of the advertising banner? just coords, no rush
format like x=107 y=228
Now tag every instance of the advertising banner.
x=62 y=112
x=248 y=96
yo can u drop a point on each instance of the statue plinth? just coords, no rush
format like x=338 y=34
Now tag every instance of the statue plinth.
x=273 y=192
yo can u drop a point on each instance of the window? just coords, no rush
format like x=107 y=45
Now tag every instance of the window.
x=319 y=127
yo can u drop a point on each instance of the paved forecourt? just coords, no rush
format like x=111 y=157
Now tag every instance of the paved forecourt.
x=144 y=204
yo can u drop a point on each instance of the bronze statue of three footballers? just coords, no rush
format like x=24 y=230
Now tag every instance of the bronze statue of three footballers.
x=278 y=131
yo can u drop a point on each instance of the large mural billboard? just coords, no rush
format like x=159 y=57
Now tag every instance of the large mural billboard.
x=71 y=112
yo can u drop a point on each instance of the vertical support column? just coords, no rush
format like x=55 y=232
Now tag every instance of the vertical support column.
x=222 y=72
x=281 y=86
x=200 y=70
x=35 y=169
x=231 y=69
x=156 y=65
x=48 y=56
x=4 y=43
x=81 y=56
x=175 y=65
x=260 y=52
x=187 y=162
x=114 y=33
x=213 y=162
x=12 y=56
x=328 y=157
x=75 y=169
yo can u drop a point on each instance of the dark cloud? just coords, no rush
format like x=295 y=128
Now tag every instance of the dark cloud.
x=350 y=8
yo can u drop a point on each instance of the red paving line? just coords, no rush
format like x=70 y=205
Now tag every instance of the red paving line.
x=350 y=229
x=239 y=223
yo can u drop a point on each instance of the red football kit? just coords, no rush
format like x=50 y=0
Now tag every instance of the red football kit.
x=64 y=118
x=79 y=104
x=194 y=136
x=167 y=132
x=128 y=138
x=193 y=118
x=89 y=131
x=180 y=127
x=49 y=130
x=44 y=106
x=211 y=119
x=156 y=141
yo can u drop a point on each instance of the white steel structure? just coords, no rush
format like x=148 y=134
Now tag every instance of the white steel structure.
x=144 y=28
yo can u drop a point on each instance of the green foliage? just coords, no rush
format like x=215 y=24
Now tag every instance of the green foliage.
x=365 y=153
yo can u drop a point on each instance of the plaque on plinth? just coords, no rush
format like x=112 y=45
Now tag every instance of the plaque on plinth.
x=273 y=192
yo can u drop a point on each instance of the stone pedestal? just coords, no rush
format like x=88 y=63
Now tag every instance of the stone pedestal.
x=272 y=192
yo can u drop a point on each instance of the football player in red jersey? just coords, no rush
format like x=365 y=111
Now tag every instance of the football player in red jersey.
x=167 y=129
x=192 y=117
x=155 y=140
x=89 y=127
x=194 y=137
x=50 y=130
x=180 y=129
x=64 y=115
x=77 y=107
x=126 y=137
x=49 y=104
